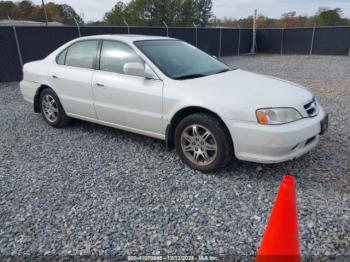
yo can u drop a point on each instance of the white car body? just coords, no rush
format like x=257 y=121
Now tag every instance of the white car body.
x=147 y=106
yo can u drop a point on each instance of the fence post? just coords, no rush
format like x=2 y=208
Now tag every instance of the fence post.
x=252 y=51
x=220 y=42
x=127 y=25
x=76 y=22
x=196 y=31
x=17 y=43
x=45 y=12
x=312 y=39
x=282 y=40
x=239 y=39
x=167 y=29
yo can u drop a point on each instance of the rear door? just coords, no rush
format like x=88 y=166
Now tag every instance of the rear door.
x=126 y=100
x=71 y=77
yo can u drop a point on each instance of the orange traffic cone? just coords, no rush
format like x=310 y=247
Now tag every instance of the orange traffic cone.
x=281 y=239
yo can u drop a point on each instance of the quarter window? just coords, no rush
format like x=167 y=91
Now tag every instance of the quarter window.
x=114 y=55
x=82 y=54
x=62 y=57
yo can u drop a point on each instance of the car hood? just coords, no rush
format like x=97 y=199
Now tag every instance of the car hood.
x=243 y=91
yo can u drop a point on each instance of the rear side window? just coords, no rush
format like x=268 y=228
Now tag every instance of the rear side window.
x=61 y=59
x=114 y=55
x=82 y=54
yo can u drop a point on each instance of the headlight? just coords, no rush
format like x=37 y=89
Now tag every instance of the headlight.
x=276 y=116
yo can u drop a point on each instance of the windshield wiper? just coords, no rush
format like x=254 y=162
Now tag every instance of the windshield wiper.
x=199 y=75
x=189 y=76
x=222 y=71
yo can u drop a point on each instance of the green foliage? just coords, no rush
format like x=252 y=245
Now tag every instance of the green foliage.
x=202 y=11
x=329 y=17
x=7 y=8
x=26 y=10
x=117 y=15
x=154 y=12
x=68 y=14
x=324 y=17
x=172 y=12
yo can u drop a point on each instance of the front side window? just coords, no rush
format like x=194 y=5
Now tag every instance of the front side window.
x=180 y=60
x=114 y=55
x=81 y=54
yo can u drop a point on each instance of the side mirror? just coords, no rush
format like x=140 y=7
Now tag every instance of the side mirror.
x=135 y=69
x=149 y=74
x=138 y=69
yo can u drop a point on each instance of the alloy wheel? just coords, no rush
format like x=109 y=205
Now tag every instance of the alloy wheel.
x=49 y=107
x=199 y=145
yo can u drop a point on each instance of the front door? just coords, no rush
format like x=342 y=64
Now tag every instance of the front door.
x=129 y=101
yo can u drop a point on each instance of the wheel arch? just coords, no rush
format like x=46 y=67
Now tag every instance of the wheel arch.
x=181 y=114
x=36 y=103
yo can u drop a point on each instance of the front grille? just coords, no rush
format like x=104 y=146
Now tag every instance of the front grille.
x=311 y=108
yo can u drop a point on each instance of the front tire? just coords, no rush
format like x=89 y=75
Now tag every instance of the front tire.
x=51 y=109
x=203 y=143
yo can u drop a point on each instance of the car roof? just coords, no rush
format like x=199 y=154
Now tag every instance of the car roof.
x=129 y=38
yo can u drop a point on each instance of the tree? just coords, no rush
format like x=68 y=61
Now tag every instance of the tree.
x=289 y=19
x=117 y=15
x=53 y=12
x=68 y=15
x=327 y=16
x=187 y=13
x=260 y=21
x=155 y=12
x=6 y=9
x=246 y=22
x=167 y=11
x=202 y=11
x=26 y=10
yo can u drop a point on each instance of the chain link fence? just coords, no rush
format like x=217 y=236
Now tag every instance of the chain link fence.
x=22 y=44
x=332 y=40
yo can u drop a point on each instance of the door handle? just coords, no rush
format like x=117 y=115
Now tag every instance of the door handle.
x=100 y=84
x=53 y=76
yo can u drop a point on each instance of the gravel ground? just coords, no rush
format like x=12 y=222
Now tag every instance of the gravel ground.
x=88 y=189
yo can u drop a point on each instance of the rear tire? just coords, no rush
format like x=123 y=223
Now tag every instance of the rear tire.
x=51 y=109
x=203 y=143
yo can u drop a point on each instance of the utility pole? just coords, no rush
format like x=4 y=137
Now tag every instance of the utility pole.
x=44 y=7
x=252 y=51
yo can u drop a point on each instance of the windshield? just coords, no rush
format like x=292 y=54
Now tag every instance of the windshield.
x=179 y=60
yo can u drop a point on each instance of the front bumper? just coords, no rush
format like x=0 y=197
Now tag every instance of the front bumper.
x=275 y=143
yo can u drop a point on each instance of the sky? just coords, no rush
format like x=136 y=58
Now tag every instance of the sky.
x=95 y=9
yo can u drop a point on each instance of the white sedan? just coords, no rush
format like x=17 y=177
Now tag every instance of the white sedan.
x=167 y=89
